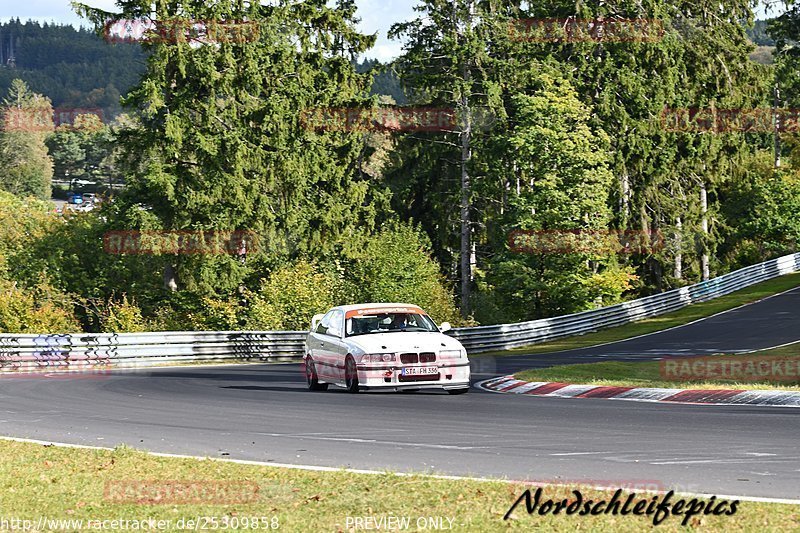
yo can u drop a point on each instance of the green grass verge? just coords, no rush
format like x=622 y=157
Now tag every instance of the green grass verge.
x=650 y=325
x=649 y=374
x=73 y=484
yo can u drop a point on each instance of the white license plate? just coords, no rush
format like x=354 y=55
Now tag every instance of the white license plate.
x=420 y=371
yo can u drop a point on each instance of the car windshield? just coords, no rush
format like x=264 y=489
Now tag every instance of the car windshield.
x=388 y=323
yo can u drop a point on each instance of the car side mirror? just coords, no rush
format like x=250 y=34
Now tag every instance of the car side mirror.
x=445 y=327
x=315 y=321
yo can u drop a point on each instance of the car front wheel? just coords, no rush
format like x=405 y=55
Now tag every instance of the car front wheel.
x=350 y=375
x=458 y=391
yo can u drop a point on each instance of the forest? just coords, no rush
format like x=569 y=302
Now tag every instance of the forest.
x=517 y=161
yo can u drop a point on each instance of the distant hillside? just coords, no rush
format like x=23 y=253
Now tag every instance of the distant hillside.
x=385 y=80
x=74 y=68
x=758 y=34
x=78 y=69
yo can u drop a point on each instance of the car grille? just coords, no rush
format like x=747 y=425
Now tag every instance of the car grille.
x=411 y=358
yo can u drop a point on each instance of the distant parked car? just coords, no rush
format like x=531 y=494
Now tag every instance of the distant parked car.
x=383 y=346
x=74 y=198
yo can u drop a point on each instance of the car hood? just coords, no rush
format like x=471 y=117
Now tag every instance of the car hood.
x=404 y=342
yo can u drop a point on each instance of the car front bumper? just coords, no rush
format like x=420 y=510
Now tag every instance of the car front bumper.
x=449 y=375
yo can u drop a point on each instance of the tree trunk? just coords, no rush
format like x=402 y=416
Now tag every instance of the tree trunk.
x=704 y=259
x=777 y=96
x=658 y=274
x=678 y=249
x=466 y=248
x=625 y=198
x=466 y=186
x=170 y=278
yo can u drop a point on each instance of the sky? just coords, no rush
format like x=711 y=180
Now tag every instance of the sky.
x=376 y=16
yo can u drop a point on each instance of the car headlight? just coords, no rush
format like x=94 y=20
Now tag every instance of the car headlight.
x=378 y=358
x=450 y=354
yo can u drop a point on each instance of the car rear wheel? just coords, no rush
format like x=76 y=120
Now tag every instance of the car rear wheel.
x=312 y=378
x=458 y=391
x=350 y=375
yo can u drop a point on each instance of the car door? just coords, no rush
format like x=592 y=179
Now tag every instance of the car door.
x=338 y=348
x=323 y=350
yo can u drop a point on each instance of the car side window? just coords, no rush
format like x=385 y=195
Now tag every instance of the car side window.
x=336 y=325
x=324 y=324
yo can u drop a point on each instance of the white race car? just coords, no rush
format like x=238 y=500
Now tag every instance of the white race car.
x=383 y=346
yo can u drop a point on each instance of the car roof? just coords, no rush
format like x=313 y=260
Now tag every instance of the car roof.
x=376 y=305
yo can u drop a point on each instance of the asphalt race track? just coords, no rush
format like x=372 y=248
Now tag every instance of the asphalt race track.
x=771 y=322
x=264 y=413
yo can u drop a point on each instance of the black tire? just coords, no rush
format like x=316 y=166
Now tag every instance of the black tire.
x=350 y=375
x=312 y=378
x=458 y=391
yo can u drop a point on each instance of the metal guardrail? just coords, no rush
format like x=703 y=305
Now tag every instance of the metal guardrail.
x=53 y=352
x=85 y=350
x=505 y=336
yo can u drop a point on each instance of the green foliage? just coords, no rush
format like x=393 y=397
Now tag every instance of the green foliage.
x=761 y=205
x=83 y=151
x=121 y=316
x=32 y=301
x=701 y=60
x=25 y=168
x=394 y=265
x=562 y=186
x=186 y=311
x=650 y=178
x=567 y=136
x=221 y=144
x=452 y=59
x=785 y=30
x=37 y=310
x=564 y=177
x=68 y=251
x=291 y=296
x=22 y=221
